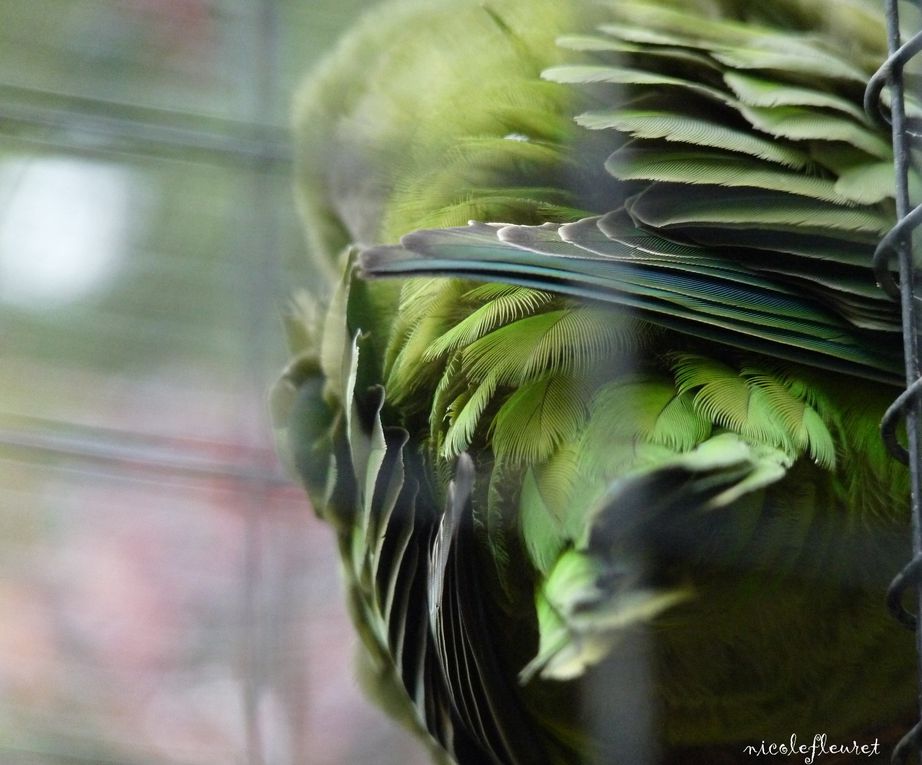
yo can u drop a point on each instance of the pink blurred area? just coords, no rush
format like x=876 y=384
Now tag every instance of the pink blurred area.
x=143 y=613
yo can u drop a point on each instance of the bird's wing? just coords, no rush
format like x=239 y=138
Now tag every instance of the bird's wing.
x=691 y=289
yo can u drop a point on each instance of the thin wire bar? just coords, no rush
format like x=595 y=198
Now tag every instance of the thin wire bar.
x=259 y=249
x=100 y=125
x=170 y=457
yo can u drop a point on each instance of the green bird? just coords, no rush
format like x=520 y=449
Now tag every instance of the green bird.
x=593 y=401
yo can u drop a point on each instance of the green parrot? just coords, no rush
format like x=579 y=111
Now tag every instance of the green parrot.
x=593 y=400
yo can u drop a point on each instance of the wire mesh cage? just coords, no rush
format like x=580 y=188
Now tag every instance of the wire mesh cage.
x=898 y=244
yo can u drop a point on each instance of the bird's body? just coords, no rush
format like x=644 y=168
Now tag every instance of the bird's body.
x=605 y=466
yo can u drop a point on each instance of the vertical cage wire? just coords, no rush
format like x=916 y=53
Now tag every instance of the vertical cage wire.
x=897 y=246
x=259 y=246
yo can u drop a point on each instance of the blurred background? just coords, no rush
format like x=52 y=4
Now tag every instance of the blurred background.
x=166 y=594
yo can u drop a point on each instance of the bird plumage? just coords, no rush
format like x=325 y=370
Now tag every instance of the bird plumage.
x=624 y=426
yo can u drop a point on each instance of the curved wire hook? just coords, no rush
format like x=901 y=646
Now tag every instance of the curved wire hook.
x=888 y=248
x=908 y=577
x=873 y=104
x=907 y=745
x=891 y=417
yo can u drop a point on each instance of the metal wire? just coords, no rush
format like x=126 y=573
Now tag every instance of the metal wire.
x=139 y=453
x=898 y=244
x=258 y=240
x=91 y=124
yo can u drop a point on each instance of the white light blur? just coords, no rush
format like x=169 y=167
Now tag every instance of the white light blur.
x=64 y=226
